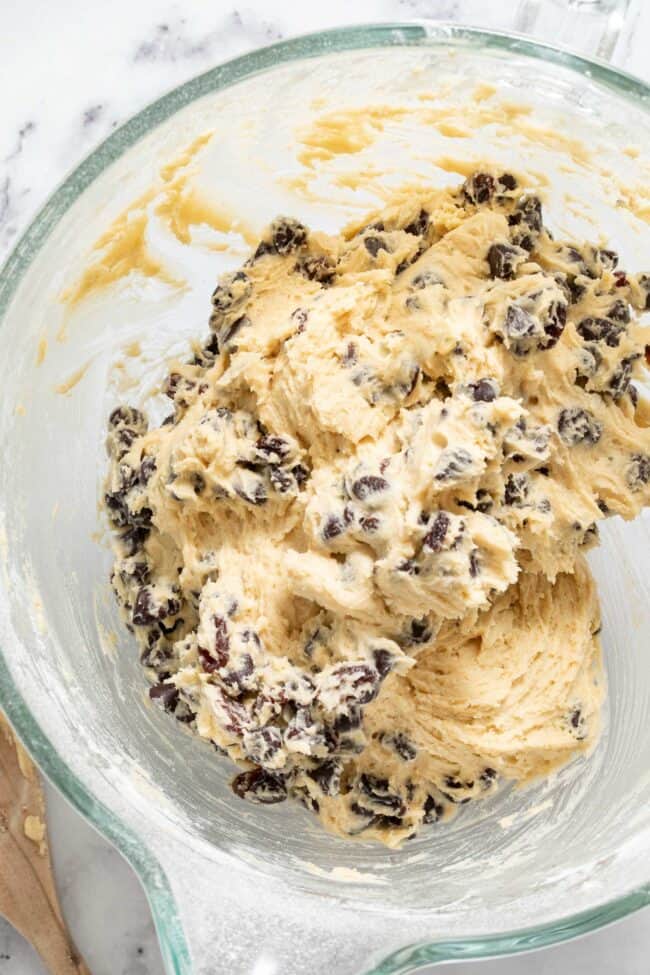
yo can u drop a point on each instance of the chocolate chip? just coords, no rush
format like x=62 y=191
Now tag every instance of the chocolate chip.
x=409 y=566
x=520 y=327
x=361 y=811
x=208 y=663
x=435 y=537
x=250 y=465
x=281 y=481
x=264 y=248
x=576 y=289
x=327 y=776
x=255 y=495
x=357 y=683
x=229 y=333
x=174 y=384
x=479 y=188
x=220 y=649
x=387 y=822
x=516 y=490
x=452 y=782
x=419 y=632
x=453 y=464
x=368 y=485
x=577 y=426
x=484 y=391
x=237 y=678
x=232 y=292
x=148 y=610
x=577 y=723
x=319 y=269
x=377 y=790
x=488 y=775
x=275 y=448
x=589 y=359
x=608 y=259
x=474 y=563
x=300 y=316
x=348 y=720
x=211 y=347
x=128 y=416
x=507 y=181
x=134 y=538
x=433 y=810
x=333 y=527
x=165 y=695
x=527 y=217
x=146 y=470
x=383 y=660
x=258 y=785
x=287 y=235
x=619 y=312
x=600 y=330
x=425 y=279
x=619 y=381
x=638 y=472
x=402 y=744
x=263 y=745
x=643 y=280
x=502 y=259
x=555 y=323
x=419 y=226
x=375 y=244
x=301 y=474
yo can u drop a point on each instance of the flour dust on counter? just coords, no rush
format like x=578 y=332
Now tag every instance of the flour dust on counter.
x=353 y=553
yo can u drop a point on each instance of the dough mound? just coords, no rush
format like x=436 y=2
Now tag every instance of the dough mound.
x=352 y=554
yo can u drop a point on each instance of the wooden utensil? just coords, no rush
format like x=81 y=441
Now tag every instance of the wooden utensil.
x=28 y=898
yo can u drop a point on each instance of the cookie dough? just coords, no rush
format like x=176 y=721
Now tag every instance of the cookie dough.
x=352 y=555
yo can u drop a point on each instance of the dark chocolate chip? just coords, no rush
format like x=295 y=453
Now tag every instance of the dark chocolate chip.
x=484 y=391
x=165 y=695
x=375 y=244
x=435 y=537
x=258 y=785
x=287 y=234
x=368 y=485
x=419 y=226
x=479 y=188
x=600 y=330
x=577 y=426
x=502 y=261
x=638 y=472
x=516 y=490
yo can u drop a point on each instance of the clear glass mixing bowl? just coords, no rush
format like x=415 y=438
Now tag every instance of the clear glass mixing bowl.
x=235 y=887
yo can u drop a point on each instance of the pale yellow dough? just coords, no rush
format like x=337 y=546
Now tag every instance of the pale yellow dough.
x=353 y=556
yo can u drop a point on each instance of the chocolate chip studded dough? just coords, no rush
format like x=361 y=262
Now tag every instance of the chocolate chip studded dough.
x=353 y=553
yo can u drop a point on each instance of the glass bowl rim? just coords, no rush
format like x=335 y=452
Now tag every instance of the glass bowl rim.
x=418 y=32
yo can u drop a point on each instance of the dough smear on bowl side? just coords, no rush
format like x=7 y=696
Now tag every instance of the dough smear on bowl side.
x=352 y=555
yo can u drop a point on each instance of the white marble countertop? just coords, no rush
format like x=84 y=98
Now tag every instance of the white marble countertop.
x=72 y=71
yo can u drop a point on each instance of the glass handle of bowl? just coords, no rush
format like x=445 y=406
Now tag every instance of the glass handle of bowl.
x=215 y=913
x=604 y=29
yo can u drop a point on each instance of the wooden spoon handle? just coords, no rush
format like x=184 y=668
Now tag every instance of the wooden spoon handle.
x=28 y=898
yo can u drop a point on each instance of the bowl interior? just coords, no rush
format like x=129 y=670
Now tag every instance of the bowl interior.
x=323 y=140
